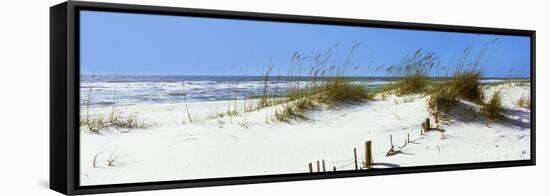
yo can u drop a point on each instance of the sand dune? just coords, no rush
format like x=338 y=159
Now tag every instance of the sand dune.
x=253 y=143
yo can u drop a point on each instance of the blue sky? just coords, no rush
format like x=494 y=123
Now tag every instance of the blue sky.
x=141 y=44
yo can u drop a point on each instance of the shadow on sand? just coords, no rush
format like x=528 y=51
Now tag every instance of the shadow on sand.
x=463 y=112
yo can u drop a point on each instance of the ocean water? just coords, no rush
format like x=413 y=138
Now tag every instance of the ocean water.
x=129 y=90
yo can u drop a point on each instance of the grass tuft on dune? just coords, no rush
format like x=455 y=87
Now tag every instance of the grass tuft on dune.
x=493 y=108
x=466 y=85
x=334 y=93
x=114 y=120
x=413 y=72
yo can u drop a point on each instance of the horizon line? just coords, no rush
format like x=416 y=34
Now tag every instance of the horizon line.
x=215 y=75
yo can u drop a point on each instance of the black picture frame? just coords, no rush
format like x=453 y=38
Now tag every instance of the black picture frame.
x=64 y=95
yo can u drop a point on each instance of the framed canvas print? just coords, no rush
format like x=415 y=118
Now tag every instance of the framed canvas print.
x=146 y=97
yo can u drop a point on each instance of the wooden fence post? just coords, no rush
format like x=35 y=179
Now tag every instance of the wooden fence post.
x=355 y=158
x=368 y=154
x=428 y=124
x=391 y=141
x=408 y=138
x=334 y=168
x=318 y=167
x=324 y=170
x=310 y=167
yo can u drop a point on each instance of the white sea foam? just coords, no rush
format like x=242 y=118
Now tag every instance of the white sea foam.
x=129 y=90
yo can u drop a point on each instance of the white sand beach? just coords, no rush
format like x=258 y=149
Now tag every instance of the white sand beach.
x=253 y=143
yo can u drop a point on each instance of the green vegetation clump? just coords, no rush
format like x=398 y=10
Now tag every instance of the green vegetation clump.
x=291 y=111
x=462 y=86
x=412 y=84
x=333 y=93
x=339 y=91
x=466 y=85
x=493 y=109
x=413 y=72
x=114 y=120
x=441 y=101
